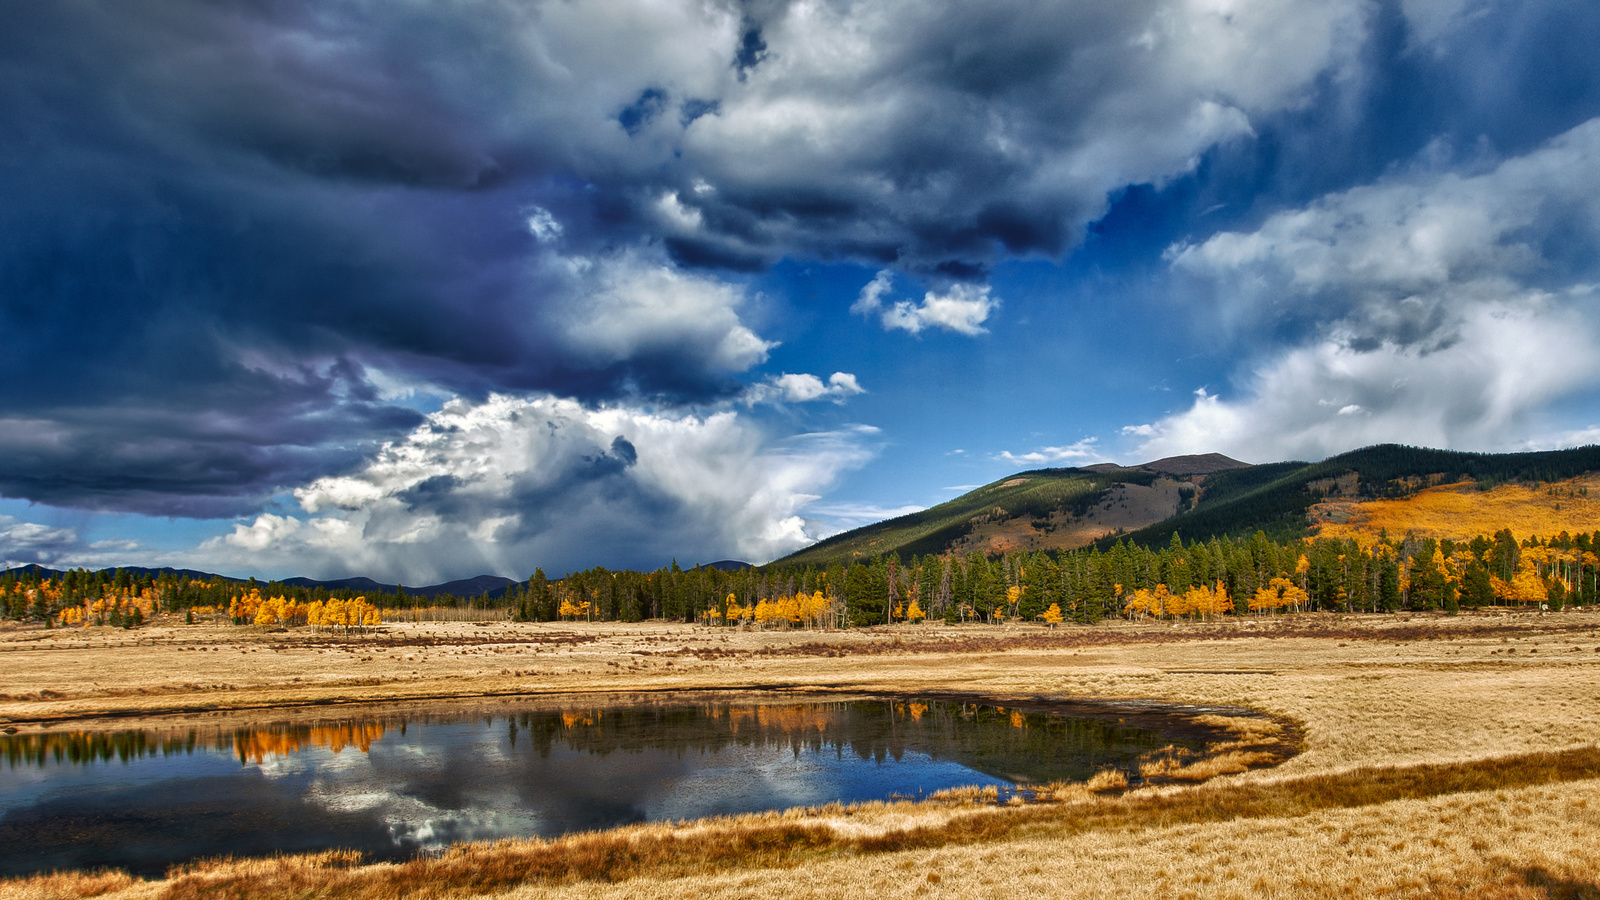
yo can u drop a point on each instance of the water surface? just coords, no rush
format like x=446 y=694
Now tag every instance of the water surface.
x=397 y=782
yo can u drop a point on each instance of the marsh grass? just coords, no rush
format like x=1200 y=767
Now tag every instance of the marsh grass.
x=67 y=885
x=1107 y=780
x=967 y=795
x=777 y=841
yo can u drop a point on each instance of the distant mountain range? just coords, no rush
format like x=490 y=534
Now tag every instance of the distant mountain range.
x=493 y=585
x=477 y=586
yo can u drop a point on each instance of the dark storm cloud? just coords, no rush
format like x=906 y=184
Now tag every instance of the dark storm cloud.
x=235 y=233
x=221 y=219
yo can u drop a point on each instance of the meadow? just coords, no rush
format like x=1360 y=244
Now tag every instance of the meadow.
x=1453 y=756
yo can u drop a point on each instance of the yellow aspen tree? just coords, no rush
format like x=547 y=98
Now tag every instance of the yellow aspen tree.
x=1221 y=600
x=788 y=609
x=766 y=611
x=1527 y=587
x=1052 y=616
x=1293 y=594
x=817 y=608
x=1138 y=603
x=265 y=615
x=1013 y=597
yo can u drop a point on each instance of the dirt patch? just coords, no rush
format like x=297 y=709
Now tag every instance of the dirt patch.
x=1125 y=507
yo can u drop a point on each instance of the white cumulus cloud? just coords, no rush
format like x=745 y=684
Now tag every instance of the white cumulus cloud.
x=804 y=388
x=1442 y=308
x=22 y=543
x=962 y=308
x=512 y=483
x=1483 y=391
x=1083 y=451
x=631 y=305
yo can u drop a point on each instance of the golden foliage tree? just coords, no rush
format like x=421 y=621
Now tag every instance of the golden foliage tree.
x=1052 y=616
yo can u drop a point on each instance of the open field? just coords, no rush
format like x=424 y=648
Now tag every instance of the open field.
x=1428 y=765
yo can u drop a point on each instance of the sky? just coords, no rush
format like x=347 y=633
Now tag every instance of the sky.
x=423 y=289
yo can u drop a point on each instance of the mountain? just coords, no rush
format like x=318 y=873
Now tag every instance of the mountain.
x=1198 y=497
x=493 y=585
x=1281 y=498
x=1042 y=509
x=39 y=571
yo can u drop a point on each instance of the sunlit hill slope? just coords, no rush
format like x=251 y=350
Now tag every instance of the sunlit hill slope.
x=1438 y=493
x=1467 y=509
x=1043 y=509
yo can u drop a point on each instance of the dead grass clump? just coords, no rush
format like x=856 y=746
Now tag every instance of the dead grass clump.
x=967 y=794
x=1222 y=764
x=1162 y=763
x=67 y=885
x=1160 y=767
x=1243 y=726
x=1063 y=792
x=1180 y=764
x=951 y=795
x=472 y=869
x=326 y=859
x=1107 y=780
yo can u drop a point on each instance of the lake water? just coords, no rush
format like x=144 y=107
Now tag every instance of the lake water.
x=393 y=783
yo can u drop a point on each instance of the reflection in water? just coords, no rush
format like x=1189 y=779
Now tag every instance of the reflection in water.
x=392 y=785
x=252 y=745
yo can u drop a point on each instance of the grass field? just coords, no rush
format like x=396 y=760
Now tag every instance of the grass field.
x=1440 y=757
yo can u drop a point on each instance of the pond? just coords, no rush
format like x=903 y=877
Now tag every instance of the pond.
x=395 y=782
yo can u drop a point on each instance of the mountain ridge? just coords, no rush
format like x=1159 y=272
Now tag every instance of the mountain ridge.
x=1198 y=496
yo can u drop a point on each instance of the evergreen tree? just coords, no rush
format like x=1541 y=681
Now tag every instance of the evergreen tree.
x=865 y=595
x=1476 y=587
x=1389 y=584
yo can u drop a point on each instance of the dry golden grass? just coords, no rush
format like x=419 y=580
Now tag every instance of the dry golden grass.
x=69 y=885
x=1461 y=511
x=1435 y=761
x=967 y=795
x=1107 y=780
x=1529 y=843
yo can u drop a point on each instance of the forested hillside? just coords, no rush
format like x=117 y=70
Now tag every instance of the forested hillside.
x=1277 y=498
x=1042 y=509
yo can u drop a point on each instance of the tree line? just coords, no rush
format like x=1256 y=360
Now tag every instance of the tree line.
x=1194 y=579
